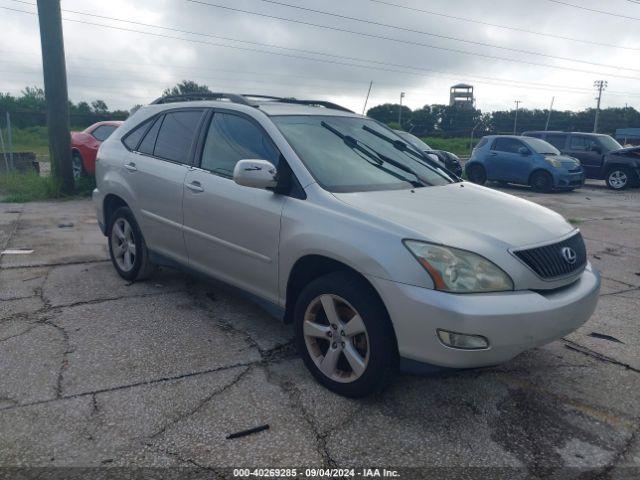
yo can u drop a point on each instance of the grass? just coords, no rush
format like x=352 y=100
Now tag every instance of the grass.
x=574 y=221
x=30 y=139
x=18 y=187
x=457 y=145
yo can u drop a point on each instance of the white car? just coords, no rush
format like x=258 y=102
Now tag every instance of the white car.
x=332 y=222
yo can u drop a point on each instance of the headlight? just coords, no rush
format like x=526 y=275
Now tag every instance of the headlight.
x=459 y=271
x=554 y=161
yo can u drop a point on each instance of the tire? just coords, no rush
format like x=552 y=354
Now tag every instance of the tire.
x=541 y=181
x=373 y=350
x=77 y=166
x=618 y=178
x=126 y=241
x=477 y=174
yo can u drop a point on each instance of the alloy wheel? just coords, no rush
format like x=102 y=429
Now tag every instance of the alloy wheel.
x=336 y=338
x=123 y=244
x=618 y=179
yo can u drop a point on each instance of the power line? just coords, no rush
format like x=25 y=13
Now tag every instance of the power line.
x=506 y=27
x=611 y=14
x=415 y=43
x=385 y=64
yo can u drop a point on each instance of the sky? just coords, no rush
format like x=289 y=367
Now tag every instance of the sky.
x=550 y=49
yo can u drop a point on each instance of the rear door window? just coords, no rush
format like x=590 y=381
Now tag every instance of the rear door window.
x=103 y=132
x=507 y=145
x=176 y=135
x=557 y=141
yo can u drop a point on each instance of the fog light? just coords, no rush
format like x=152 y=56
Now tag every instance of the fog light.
x=461 y=340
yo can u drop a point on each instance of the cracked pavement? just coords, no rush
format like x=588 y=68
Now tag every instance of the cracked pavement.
x=95 y=371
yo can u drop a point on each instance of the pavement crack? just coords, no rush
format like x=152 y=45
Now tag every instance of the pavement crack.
x=19 y=334
x=133 y=385
x=598 y=356
x=201 y=403
x=295 y=397
x=58 y=264
x=64 y=363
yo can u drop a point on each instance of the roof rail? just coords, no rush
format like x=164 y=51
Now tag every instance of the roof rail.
x=245 y=98
x=191 y=97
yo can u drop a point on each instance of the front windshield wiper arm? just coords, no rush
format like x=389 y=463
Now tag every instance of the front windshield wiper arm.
x=379 y=158
x=404 y=147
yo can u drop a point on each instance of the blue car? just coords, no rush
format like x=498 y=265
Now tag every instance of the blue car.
x=524 y=161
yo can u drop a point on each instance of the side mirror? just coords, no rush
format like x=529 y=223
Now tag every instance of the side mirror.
x=523 y=151
x=596 y=148
x=255 y=174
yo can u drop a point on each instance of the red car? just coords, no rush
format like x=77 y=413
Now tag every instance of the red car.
x=84 y=146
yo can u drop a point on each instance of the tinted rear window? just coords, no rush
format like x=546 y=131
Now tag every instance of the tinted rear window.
x=557 y=141
x=150 y=138
x=176 y=135
x=103 y=132
x=132 y=139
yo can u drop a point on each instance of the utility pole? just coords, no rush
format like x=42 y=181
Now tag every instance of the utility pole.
x=55 y=90
x=366 y=100
x=515 y=120
x=400 y=110
x=600 y=85
x=546 y=125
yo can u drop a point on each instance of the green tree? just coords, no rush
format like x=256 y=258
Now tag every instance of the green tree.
x=99 y=107
x=185 y=87
x=388 y=113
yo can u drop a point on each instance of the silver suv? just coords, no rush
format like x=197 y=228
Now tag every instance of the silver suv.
x=378 y=256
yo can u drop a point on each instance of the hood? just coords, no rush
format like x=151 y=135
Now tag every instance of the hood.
x=625 y=151
x=463 y=215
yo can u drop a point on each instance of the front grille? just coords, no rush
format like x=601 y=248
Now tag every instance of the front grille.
x=549 y=262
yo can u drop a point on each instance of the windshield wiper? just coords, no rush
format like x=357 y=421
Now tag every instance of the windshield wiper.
x=377 y=157
x=404 y=147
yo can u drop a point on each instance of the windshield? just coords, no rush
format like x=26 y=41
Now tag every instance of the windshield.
x=413 y=140
x=609 y=143
x=343 y=156
x=540 y=146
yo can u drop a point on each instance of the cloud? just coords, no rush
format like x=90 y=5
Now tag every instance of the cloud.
x=126 y=67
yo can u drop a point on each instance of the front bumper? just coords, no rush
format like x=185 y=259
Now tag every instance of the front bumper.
x=512 y=321
x=570 y=179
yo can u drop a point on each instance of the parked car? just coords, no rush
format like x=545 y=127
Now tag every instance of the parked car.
x=85 y=144
x=329 y=221
x=524 y=161
x=450 y=160
x=601 y=156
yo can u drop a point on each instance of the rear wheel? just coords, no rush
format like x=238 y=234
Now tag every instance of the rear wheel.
x=541 y=181
x=477 y=174
x=345 y=336
x=618 y=178
x=127 y=248
x=77 y=165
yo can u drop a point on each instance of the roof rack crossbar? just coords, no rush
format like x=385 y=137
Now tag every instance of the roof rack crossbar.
x=244 y=99
x=235 y=98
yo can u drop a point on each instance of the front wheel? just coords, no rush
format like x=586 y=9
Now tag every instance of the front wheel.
x=541 y=181
x=618 y=178
x=127 y=248
x=345 y=336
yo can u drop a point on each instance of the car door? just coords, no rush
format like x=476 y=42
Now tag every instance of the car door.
x=586 y=149
x=232 y=232
x=505 y=162
x=155 y=171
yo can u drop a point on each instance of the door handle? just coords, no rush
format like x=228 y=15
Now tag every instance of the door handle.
x=195 y=186
x=131 y=167
x=493 y=154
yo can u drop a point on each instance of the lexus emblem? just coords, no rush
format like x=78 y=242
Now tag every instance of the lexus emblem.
x=569 y=255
